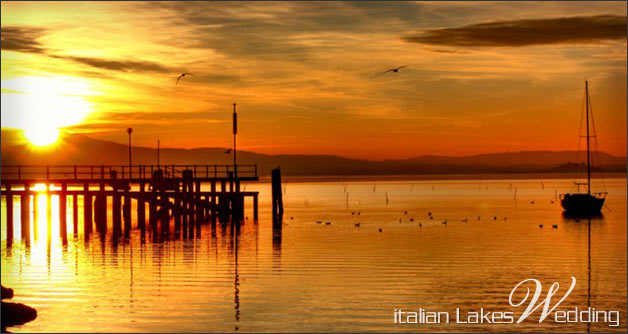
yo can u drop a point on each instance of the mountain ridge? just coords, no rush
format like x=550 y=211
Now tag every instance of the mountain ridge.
x=79 y=149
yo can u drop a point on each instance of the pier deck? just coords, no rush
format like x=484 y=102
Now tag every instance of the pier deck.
x=171 y=192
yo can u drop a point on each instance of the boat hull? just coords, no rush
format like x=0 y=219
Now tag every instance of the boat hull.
x=582 y=204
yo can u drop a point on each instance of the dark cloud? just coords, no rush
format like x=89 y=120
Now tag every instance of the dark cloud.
x=22 y=39
x=25 y=39
x=569 y=30
x=115 y=65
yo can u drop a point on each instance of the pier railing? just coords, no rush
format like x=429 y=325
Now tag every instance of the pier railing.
x=108 y=172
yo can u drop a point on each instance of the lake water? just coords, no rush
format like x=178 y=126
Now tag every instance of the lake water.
x=313 y=277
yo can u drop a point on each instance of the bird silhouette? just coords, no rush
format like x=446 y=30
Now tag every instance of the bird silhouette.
x=228 y=151
x=181 y=76
x=396 y=69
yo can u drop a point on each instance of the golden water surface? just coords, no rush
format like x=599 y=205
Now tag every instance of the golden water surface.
x=335 y=277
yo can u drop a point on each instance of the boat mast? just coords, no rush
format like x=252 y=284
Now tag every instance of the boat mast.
x=586 y=88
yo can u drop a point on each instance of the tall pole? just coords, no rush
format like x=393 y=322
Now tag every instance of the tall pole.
x=129 y=131
x=157 y=153
x=235 y=132
x=586 y=88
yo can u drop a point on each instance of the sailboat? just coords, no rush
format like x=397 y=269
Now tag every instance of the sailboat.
x=584 y=204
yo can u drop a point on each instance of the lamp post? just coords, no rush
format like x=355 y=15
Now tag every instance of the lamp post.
x=129 y=131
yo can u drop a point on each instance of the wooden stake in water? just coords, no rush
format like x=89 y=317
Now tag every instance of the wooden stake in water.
x=387 y=201
x=515 y=194
x=347 y=200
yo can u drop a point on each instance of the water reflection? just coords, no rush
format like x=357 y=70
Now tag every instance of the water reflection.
x=250 y=277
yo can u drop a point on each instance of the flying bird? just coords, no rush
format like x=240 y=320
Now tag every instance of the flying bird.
x=181 y=76
x=396 y=69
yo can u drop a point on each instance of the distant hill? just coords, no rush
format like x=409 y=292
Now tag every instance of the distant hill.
x=83 y=150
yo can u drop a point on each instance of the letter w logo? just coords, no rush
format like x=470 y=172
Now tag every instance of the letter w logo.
x=533 y=306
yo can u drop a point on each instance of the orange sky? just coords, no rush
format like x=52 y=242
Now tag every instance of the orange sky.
x=484 y=77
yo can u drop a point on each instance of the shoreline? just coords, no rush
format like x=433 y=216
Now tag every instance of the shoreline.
x=436 y=177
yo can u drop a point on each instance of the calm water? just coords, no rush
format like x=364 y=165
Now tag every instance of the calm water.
x=330 y=278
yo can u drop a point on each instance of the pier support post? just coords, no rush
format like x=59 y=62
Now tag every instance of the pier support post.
x=152 y=212
x=141 y=209
x=101 y=209
x=88 y=219
x=117 y=217
x=63 y=213
x=176 y=212
x=75 y=214
x=126 y=208
x=164 y=213
x=25 y=206
x=9 y=202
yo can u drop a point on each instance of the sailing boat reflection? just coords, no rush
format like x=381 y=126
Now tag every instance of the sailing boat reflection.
x=235 y=233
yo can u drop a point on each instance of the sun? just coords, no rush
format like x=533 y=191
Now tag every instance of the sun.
x=42 y=136
x=41 y=106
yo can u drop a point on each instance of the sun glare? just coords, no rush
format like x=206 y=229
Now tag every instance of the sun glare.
x=43 y=136
x=41 y=106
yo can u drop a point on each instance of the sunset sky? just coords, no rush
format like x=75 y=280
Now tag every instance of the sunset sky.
x=307 y=76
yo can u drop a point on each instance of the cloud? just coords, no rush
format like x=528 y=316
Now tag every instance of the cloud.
x=115 y=65
x=25 y=39
x=568 y=30
x=22 y=39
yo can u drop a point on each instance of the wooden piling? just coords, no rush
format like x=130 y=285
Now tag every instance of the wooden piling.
x=141 y=209
x=117 y=214
x=152 y=213
x=63 y=213
x=126 y=214
x=100 y=209
x=25 y=207
x=88 y=220
x=9 y=205
x=277 y=197
x=35 y=214
x=176 y=212
x=75 y=214
x=255 y=203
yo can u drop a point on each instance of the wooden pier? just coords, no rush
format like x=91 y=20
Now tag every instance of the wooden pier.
x=188 y=195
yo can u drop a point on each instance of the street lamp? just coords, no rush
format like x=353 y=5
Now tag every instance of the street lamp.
x=129 y=131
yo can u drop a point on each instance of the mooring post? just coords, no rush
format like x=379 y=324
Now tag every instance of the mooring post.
x=25 y=206
x=277 y=197
x=255 y=202
x=74 y=214
x=88 y=220
x=9 y=202
x=63 y=213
